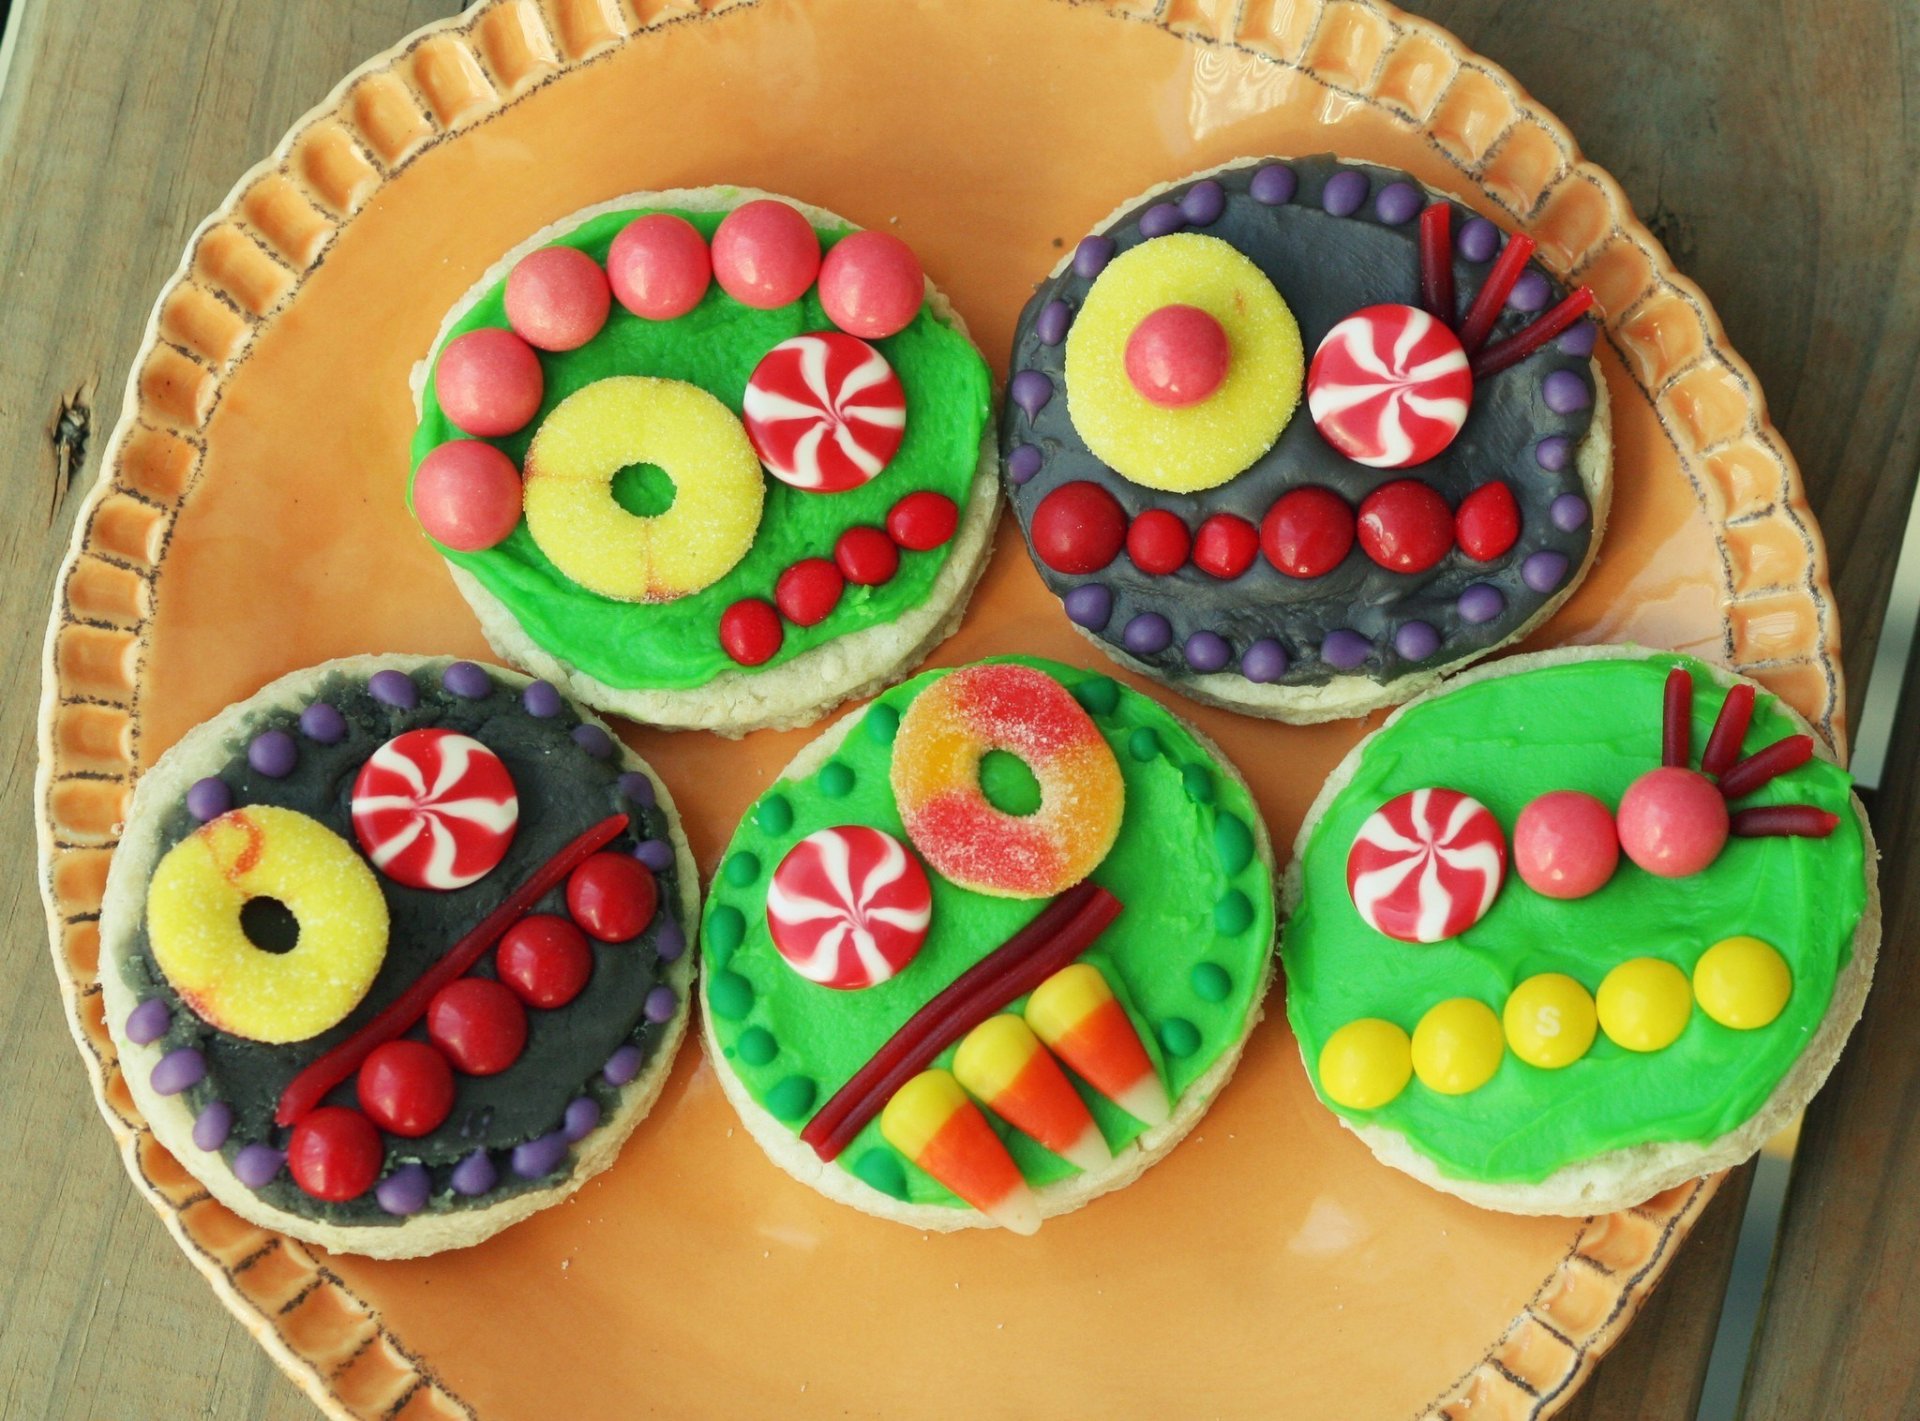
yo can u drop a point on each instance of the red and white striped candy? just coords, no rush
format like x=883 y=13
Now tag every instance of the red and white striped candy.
x=1389 y=387
x=849 y=907
x=1426 y=865
x=825 y=412
x=434 y=809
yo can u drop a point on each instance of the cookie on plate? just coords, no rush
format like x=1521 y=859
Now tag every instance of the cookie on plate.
x=394 y=952
x=708 y=458
x=1579 y=927
x=989 y=947
x=1299 y=436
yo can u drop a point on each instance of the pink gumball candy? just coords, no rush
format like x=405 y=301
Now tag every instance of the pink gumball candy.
x=871 y=284
x=489 y=382
x=1565 y=845
x=765 y=254
x=557 y=298
x=466 y=494
x=659 y=266
x=1673 y=822
x=1177 y=356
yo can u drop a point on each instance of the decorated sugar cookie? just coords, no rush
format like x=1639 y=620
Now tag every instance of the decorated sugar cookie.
x=395 y=952
x=940 y=981
x=1297 y=436
x=1579 y=927
x=707 y=458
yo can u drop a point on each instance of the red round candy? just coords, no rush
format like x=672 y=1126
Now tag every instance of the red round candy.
x=922 y=521
x=808 y=591
x=1177 y=356
x=557 y=298
x=406 y=1088
x=612 y=896
x=1673 y=822
x=871 y=284
x=1405 y=526
x=488 y=382
x=1225 y=546
x=1158 y=542
x=659 y=266
x=545 y=960
x=1565 y=844
x=1487 y=522
x=765 y=254
x=335 y=1154
x=479 y=1023
x=467 y=494
x=750 y=631
x=1078 y=528
x=866 y=556
x=1307 y=532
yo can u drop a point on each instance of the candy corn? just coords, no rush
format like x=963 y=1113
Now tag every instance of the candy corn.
x=1003 y=1063
x=1074 y=1011
x=931 y=1121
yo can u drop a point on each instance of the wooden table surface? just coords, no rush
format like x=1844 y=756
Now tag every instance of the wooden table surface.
x=1773 y=147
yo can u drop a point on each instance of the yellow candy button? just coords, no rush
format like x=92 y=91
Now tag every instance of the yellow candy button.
x=1457 y=1046
x=1644 y=1004
x=1365 y=1064
x=1742 y=982
x=1550 y=1021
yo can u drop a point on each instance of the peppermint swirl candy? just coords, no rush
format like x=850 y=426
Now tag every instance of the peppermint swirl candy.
x=1427 y=865
x=848 y=907
x=825 y=412
x=1389 y=387
x=434 y=809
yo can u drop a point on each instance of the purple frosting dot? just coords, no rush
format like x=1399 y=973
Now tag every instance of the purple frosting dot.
x=1481 y=602
x=273 y=753
x=393 y=688
x=1345 y=650
x=1544 y=571
x=540 y=1157
x=474 y=1175
x=583 y=1113
x=1416 y=641
x=1089 y=605
x=1160 y=220
x=637 y=789
x=661 y=1004
x=591 y=738
x=1344 y=192
x=1207 y=651
x=1052 y=322
x=1031 y=390
x=467 y=681
x=1090 y=258
x=1579 y=338
x=1204 y=203
x=1023 y=463
x=1569 y=512
x=1530 y=292
x=1477 y=240
x=622 y=1066
x=1147 y=633
x=656 y=854
x=1273 y=184
x=405 y=1190
x=208 y=798
x=1551 y=453
x=212 y=1125
x=256 y=1165
x=1397 y=203
x=322 y=724
x=669 y=941
x=177 y=1070
x=1265 y=661
x=1565 y=392
x=148 y=1022
x=540 y=700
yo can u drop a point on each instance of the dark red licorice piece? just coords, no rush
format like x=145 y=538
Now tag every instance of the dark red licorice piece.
x=1065 y=928
x=1729 y=730
x=1799 y=821
x=1524 y=342
x=1492 y=295
x=1436 y=262
x=1676 y=720
x=1765 y=765
x=307 y=1089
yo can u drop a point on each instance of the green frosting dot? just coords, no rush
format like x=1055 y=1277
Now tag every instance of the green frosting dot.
x=1008 y=784
x=881 y=1169
x=1233 y=914
x=1143 y=744
x=731 y=995
x=1233 y=841
x=1098 y=694
x=742 y=869
x=792 y=1098
x=836 y=780
x=1199 y=782
x=757 y=1046
x=882 y=723
x=725 y=928
x=775 y=815
x=1179 y=1036
x=1211 y=983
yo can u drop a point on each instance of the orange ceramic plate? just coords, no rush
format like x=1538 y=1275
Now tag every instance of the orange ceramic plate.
x=249 y=521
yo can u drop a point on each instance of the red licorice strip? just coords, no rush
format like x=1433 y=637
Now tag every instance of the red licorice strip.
x=1676 y=721
x=1800 y=821
x=309 y=1088
x=1729 y=730
x=1764 y=765
x=1436 y=262
x=1524 y=342
x=1066 y=928
x=1492 y=296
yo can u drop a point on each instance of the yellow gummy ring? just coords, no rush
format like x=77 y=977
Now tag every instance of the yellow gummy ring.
x=1198 y=446
x=193 y=922
x=631 y=419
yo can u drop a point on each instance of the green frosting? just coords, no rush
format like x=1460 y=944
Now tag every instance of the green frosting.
x=1594 y=726
x=1187 y=970
x=676 y=645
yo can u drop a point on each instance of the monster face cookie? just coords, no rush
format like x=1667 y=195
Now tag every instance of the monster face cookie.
x=395 y=952
x=1296 y=437
x=708 y=458
x=1578 y=928
x=989 y=948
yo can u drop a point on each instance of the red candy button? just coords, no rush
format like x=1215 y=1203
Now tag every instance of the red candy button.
x=406 y=1088
x=825 y=412
x=1487 y=523
x=808 y=591
x=1307 y=532
x=923 y=521
x=1225 y=546
x=1078 y=528
x=1565 y=844
x=659 y=267
x=612 y=896
x=1673 y=822
x=488 y=382
x=557 y=298
x=866 y=556
x=750 y=631
x=871 y=284
x=765 y=254
x=1389 y=387
x=545 y=960
x=434 y=809
x=1405 y=526
x=1158 y=542
x=479 y=1023
x=1177 y=356
x=335 y=1154
x=848 y=907
x=1426 y=865
x=467 y=494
